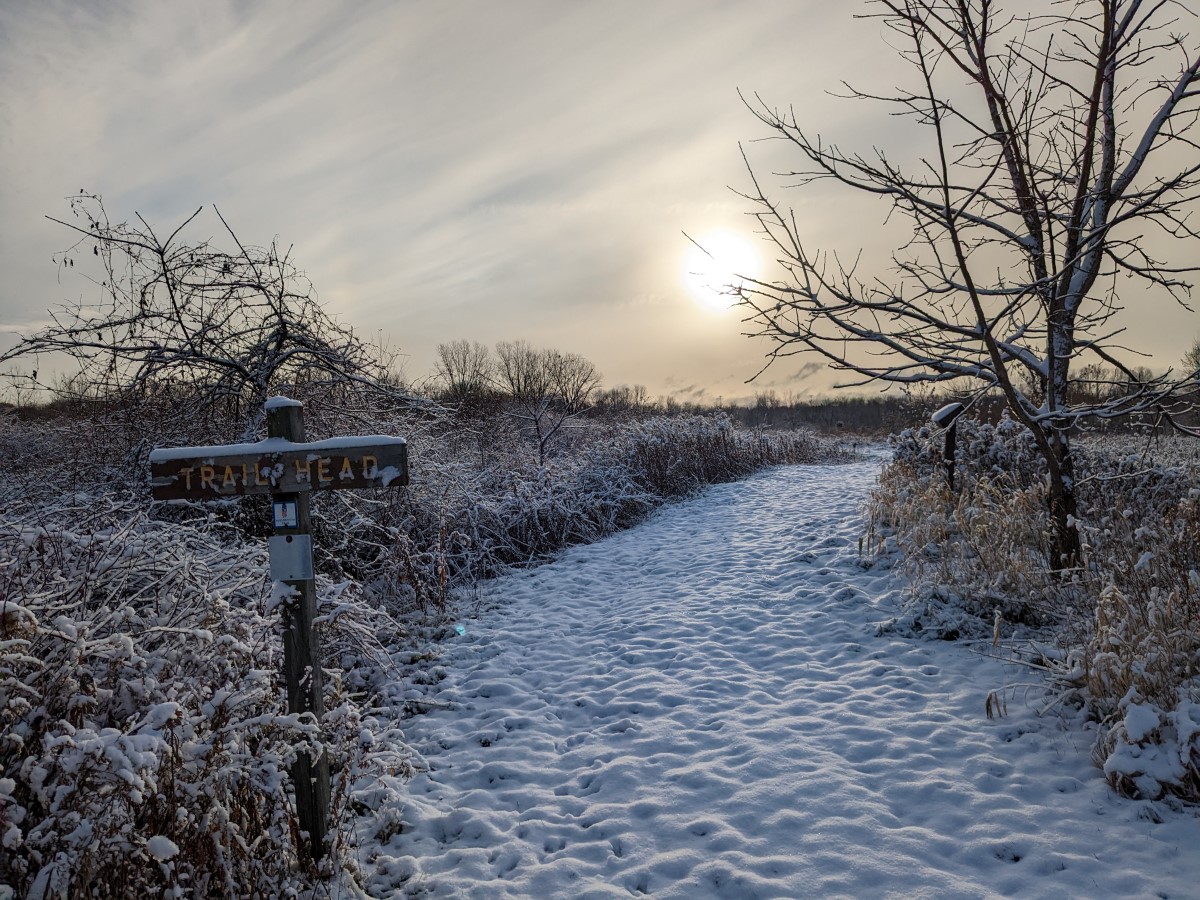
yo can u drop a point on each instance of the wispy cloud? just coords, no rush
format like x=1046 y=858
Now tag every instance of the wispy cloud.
x=452 y=169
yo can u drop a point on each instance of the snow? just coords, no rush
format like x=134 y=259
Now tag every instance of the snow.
x=947 y=414
x=161 y=714
x=275 y=445
x=1140 y=720
x=280 y=402
x=707 y=707
x=161 y=848
x=388 y=474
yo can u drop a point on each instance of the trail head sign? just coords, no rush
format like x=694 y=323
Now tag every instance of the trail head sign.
x=289 y=469
x=278 y=466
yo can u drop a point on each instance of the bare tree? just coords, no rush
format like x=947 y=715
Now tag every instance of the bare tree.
x=573 y=380
x=547 y=387
x=465 y=368
x=1190 y=364
x=622 y=399
x=1072 y=142
x=193 y=326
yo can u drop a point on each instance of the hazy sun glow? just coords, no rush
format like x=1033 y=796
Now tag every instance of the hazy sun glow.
x=721 y=261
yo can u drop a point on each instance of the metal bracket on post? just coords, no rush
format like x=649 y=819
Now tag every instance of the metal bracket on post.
x=947 y=417
x=291 y=558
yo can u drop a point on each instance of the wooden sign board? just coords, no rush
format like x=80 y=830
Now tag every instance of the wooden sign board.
x=276 y=466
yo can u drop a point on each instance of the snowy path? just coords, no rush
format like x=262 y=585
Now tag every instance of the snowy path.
x=701 y=707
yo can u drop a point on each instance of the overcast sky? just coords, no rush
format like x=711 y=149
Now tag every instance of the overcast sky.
x=480 y=170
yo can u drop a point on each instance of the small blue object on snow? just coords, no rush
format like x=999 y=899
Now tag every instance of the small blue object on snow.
x=460 y=630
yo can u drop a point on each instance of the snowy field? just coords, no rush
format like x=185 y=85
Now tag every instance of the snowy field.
x=703 y=707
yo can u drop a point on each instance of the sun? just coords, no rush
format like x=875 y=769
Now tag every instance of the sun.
x=715 y=265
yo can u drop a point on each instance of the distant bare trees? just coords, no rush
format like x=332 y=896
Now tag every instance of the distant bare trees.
x=465 y=370
x=1190 y=364
x=543 y=388
x=547 y=387
x=623 y=399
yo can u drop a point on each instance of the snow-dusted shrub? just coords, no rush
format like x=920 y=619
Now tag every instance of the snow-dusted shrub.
x=1143 y=655
x=675 y=456
x=981 y=547
x=1149 y=752
x=45 y=458
x=1004 y=452
x=1130 y=614
x=144 y=737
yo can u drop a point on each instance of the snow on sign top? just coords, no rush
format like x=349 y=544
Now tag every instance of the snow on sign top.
x=277 y=465
x=947 y=414
x=280 y=402
x=274 y=445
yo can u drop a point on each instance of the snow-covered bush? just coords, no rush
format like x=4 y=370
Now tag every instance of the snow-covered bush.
x=144 y=745
x=1144 y=647
x=978 y=550
x=1149 y=752
x=144 y=737
x=981 y=547
x=1130 y=615
x=673 y=457
x=1002 y=452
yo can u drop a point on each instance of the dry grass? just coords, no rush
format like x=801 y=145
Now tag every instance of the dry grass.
x=1147 y=621
x=1130 y=615
x=983 y=545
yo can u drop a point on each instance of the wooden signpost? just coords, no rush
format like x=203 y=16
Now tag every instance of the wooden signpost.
x=947 y=417
x=289 y=469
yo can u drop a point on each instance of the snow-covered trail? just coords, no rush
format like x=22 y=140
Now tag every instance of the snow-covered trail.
x=702 y=707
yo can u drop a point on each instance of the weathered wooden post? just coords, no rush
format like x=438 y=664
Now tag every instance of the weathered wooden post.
x=289 y=468
x=292 y=563
x=947 y=417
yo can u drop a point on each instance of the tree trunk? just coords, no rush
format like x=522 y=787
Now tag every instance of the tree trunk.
x=1064 y=533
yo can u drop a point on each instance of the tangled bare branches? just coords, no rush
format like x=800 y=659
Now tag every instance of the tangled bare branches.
x=183 y=324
